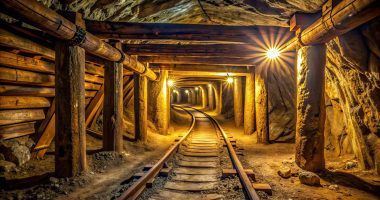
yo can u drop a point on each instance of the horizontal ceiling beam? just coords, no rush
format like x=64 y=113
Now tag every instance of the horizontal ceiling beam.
x=198 y=60
x=195 y=32
x=204 y=68
x=229 y=50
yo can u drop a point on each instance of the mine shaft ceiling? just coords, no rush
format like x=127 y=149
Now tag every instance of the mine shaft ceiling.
x=225 y=12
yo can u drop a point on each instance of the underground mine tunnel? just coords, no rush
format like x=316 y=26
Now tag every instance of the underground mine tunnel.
x=189 y=99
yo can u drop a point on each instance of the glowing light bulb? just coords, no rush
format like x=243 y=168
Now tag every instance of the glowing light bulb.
x=196 y=88
x=187 y=91
x=209 y=85
x=273 y=53
x=230 y=80
x=170 y=83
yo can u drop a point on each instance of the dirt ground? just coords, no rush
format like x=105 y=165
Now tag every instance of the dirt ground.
x=35 y=180
x=266 y=160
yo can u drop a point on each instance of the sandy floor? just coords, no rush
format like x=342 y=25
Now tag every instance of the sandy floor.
x=266 y=160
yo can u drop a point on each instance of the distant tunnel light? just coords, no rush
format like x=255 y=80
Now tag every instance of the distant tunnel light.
x=170 y=83
x=273 y=53
x=196 y=88
x=187 y=91
x=230 y=80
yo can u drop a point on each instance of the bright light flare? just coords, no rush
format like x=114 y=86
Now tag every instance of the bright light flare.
x=273 y=53
x=187 y=91
x=230 y=80
x=170 y=83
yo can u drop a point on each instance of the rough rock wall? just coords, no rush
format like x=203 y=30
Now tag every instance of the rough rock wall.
x=231 y=12
x=353 y=94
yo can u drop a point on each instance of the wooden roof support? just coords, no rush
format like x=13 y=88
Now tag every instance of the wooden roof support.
x=167 y=31
x=198 y=60
x=205 y=68
x=223 y=50
x=335 y=21
x=42 y=17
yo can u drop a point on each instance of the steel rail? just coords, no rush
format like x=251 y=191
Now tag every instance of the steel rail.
x=244 y=179
x=134 y=191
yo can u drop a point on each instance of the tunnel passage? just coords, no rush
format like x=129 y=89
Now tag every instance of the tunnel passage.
x=189 y=99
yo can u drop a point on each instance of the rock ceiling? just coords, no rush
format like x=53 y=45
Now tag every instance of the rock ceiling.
x=226 y=12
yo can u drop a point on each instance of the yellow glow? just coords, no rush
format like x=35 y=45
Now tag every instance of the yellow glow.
x=230 y=80
x=170 y=83
x=273 y=53
x=187 y=91
x=196 y=88
x=209 y=85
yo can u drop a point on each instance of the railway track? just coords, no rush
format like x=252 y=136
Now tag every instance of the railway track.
x=196 y=171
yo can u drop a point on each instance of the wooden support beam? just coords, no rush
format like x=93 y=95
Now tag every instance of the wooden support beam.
x=159 y=107
x=141 y=107
x=310 y=108
x=205 y=68
x=218 y=50
x=249 y=103
x=94 y=105
x=261 y=105
x=238 y=101
x=70 y=129
x=197 y=60
x=48 y=20
x=211 y=97
x=113 y=106
x=16 y=90
x=170 y=31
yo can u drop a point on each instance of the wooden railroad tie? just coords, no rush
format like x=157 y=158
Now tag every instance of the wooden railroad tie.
x=232 y=172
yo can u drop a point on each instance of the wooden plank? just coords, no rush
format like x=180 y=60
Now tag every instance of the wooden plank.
x=195 y=178
x=18 y=102
x=15 y=90
x=199 y=171
x=198 y=60
x=198 y=159
x=172 y=195
x=20 y=115
x=263 y=187
x=193 y=187
x=17 y=130
x=196 y=164
x=232 y=172
x=140 y=107
x=113 y=106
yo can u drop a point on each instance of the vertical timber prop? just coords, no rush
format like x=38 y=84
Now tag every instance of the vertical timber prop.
x=113 y=105
x=140 y=107
x=159 y=94
x=70 y=128
x=218 y=97
x=238 y=101
x=310 y=107
x=210 y=97
x=261 y=105
x=204 y=95
x=249 y=103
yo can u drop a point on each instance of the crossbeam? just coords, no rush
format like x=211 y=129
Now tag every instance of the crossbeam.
x=226 y=61
x=204 y=68
x=225 y=50
x=166 y=31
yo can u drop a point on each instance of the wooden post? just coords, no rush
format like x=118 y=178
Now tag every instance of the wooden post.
x=141 y=107
x=160 y=102
x=249 y=103
x=218 y=97
x=311 y=62
x=113 y=106
x=70 y=128
x=238 y=101
x=204 y=96
x=210 y=97
x=261 y=97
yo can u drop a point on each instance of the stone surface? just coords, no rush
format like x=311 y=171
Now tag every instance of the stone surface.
x=284 y=172
x=15 y=152
x=6 y=166
x=309 y=178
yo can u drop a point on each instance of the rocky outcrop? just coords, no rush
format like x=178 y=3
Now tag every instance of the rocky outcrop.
x=353 y=93
x=15 y=152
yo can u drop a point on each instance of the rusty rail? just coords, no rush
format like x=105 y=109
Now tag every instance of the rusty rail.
x=134 y=191
x=244 y=179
